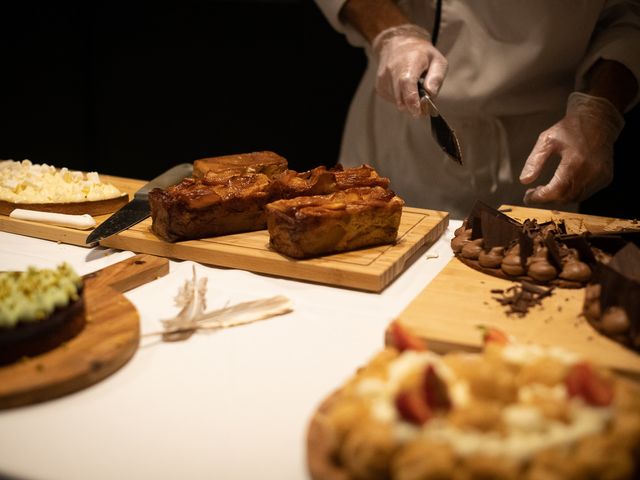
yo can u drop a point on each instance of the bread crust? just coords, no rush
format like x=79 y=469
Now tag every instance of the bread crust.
x=265 y=162
x=305 y=227
x=210 y=206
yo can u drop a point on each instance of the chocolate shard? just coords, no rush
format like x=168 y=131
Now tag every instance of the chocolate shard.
x=627 y=262
x=580 y=243
x=495 y=227
x=525 y=239
x=620 y=284
x=554 y=252
x=497 y=232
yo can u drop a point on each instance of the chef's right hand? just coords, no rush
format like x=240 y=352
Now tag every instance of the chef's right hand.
x=404 y=53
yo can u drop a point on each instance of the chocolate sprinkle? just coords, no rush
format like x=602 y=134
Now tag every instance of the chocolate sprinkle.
x=521 y=297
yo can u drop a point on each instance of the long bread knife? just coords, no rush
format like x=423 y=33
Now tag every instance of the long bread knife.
x=138 y=209
x=440 y=129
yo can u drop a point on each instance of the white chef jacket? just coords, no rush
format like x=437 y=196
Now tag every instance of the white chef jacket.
x=512 y=65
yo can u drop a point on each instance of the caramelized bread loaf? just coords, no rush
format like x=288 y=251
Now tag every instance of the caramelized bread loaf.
x=346 y=220
x=323 y=181
x=267 y=163
x=210 y=206
x=362 y=176
x=291 y=184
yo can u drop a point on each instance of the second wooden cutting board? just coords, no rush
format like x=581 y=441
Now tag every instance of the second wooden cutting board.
x=448 y=312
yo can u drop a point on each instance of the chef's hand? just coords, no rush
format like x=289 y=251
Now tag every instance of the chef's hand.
x=583 y=140
x=404 y=53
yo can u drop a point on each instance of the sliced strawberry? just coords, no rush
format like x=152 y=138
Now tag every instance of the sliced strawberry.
x=435 y=390
x=403 y=340
x=412 y=406
x=493 y=335
x=583 y=381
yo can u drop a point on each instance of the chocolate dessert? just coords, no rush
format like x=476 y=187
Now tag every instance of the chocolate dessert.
x=542 y=253
x=612 y=302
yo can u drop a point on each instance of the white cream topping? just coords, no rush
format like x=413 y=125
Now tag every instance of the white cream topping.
x=26 y=182
x=520 y=354
x=527 y=429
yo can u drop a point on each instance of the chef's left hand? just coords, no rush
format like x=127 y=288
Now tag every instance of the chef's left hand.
x=583 y=140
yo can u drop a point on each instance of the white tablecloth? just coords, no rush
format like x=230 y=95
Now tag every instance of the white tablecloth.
x=230 y=405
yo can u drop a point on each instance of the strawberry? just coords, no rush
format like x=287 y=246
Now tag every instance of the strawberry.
x=403 y=340
x=412 y=406
x=583 y=381
x=435 y=390
x=419 y=403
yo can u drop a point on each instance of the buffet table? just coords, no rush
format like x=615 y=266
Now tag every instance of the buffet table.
x=233 y=404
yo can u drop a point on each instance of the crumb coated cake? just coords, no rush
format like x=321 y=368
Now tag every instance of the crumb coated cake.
x=513 y=411
x=39 y=309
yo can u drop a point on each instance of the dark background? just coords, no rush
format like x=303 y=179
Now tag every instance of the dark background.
x=132 y=88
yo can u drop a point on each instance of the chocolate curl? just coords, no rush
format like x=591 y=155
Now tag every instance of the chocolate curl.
x=554 y=252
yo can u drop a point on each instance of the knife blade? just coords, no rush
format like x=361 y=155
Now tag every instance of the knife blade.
x=138 y=209
x=440 y=129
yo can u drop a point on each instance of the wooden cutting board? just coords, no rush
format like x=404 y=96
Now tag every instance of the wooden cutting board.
x=370 y=269
x=64 y=234
x=108 y=340
x=449 y=310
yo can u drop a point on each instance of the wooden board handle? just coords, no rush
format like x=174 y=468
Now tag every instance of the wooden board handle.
x=131 y=273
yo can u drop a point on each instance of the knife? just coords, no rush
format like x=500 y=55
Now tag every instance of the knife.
x=440 y=129
x=138 y=209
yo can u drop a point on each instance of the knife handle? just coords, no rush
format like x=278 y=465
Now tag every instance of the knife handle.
x=168 y=178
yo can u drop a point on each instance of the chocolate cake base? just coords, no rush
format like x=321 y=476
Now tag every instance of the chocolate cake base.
x=33 y=338
x=497 y=272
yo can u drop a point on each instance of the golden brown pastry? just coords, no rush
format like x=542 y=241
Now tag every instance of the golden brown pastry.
x=266 y=163
x=210 y=206
x=513 y=411
x=346 y=220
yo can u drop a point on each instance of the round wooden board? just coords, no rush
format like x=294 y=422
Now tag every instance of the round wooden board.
x=108 y=341
x=320 y=449
x=97 y=207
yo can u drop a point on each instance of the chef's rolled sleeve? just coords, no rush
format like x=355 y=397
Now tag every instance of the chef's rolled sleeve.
x=617 y=37
x=331 y=10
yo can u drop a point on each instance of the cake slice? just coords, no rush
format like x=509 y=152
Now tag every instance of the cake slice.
x=345 y=220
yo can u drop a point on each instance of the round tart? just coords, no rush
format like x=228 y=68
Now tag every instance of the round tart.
x=510 y=412
x=39 y=310
x=46 y=188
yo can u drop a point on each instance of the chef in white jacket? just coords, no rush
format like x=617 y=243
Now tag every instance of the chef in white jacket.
x=534 y=89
